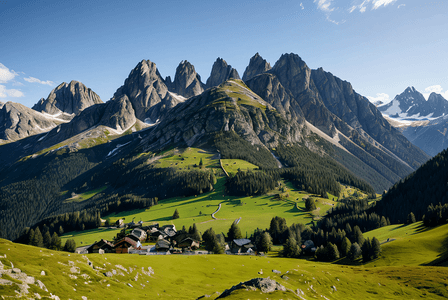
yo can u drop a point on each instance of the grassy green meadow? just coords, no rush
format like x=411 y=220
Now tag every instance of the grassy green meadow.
x=189 y=277
x=255 y=212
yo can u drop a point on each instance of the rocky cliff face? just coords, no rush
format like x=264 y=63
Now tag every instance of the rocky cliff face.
x=69 y=98
x=187 y=82
x=221 y=72
x=257 y=65
x=231 y=106
x=268 y=87
x=1 y=104
x=147 y=92
x=18 y=121
x=438 y=105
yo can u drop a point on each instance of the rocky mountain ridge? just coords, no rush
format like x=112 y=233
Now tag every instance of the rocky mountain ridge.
x=68 y=98
x=411 y=104
x=423 y=122
x=18 y=121
x=278 y=105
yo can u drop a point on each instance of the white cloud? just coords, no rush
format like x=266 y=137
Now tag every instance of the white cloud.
x=4 y=92
x=35 y=80
x=5 y=74
x=435 y=89
x=383 y=97
x=401 y=5
x=362 y=7
x=301 y=5
x=378 y=3
x=324 y=5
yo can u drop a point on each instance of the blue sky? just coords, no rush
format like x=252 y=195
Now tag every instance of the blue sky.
x=380 y=46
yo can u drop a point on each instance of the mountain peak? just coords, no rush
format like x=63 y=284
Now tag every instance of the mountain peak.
x=187 y=82
x=221 y=72
x=291 y=68
x=18 y=121
x=257 y=65
x=70 y=98
x=410 y=89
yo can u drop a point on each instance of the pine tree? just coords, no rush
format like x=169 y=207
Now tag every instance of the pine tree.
x=357 y=236
x=376 y=247
x=355 y=251
x=410 y=218
x=176 y=214
x=310 y=204
x=208 y=236
x=30 y=236
x=345 y=246
x=265 y=242
x=332 y=252
x=234 y=232
x=47 y=239
x=55 y=242
x=366 y=250
x=38 y=240
x=70 y=245
x=60 y=231
x=195 y=233
x=290 y=248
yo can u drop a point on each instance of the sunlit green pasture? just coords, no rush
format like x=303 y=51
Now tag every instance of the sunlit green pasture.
x=232 y=165
x=255 y=212
x=188 y=159
x=190 y=277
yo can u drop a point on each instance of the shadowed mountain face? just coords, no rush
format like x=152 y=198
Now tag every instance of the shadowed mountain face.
x=187 y=82
x=431 y=137
x=221 y=72
x=257 y=65
x=69 y=98
x=332 y=105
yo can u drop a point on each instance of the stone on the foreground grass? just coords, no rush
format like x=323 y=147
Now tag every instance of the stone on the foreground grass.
x=265 y=285
x=108 y=274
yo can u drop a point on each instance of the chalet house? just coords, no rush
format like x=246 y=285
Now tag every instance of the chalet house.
x=124 y=245
x=241 y=246
x=308 y=247
x=140 y=234
x=189 y=244
x=101 y=247
x=163 y=246
x=169 y=230
x=133 y=237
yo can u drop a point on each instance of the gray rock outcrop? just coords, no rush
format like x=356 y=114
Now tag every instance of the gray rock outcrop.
x=18 y=121
x=147 y=92
x=257 y=65
x=69 y=98
x=187 y=82
x=221 y=72
x=265 y=285
x=200 y=117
